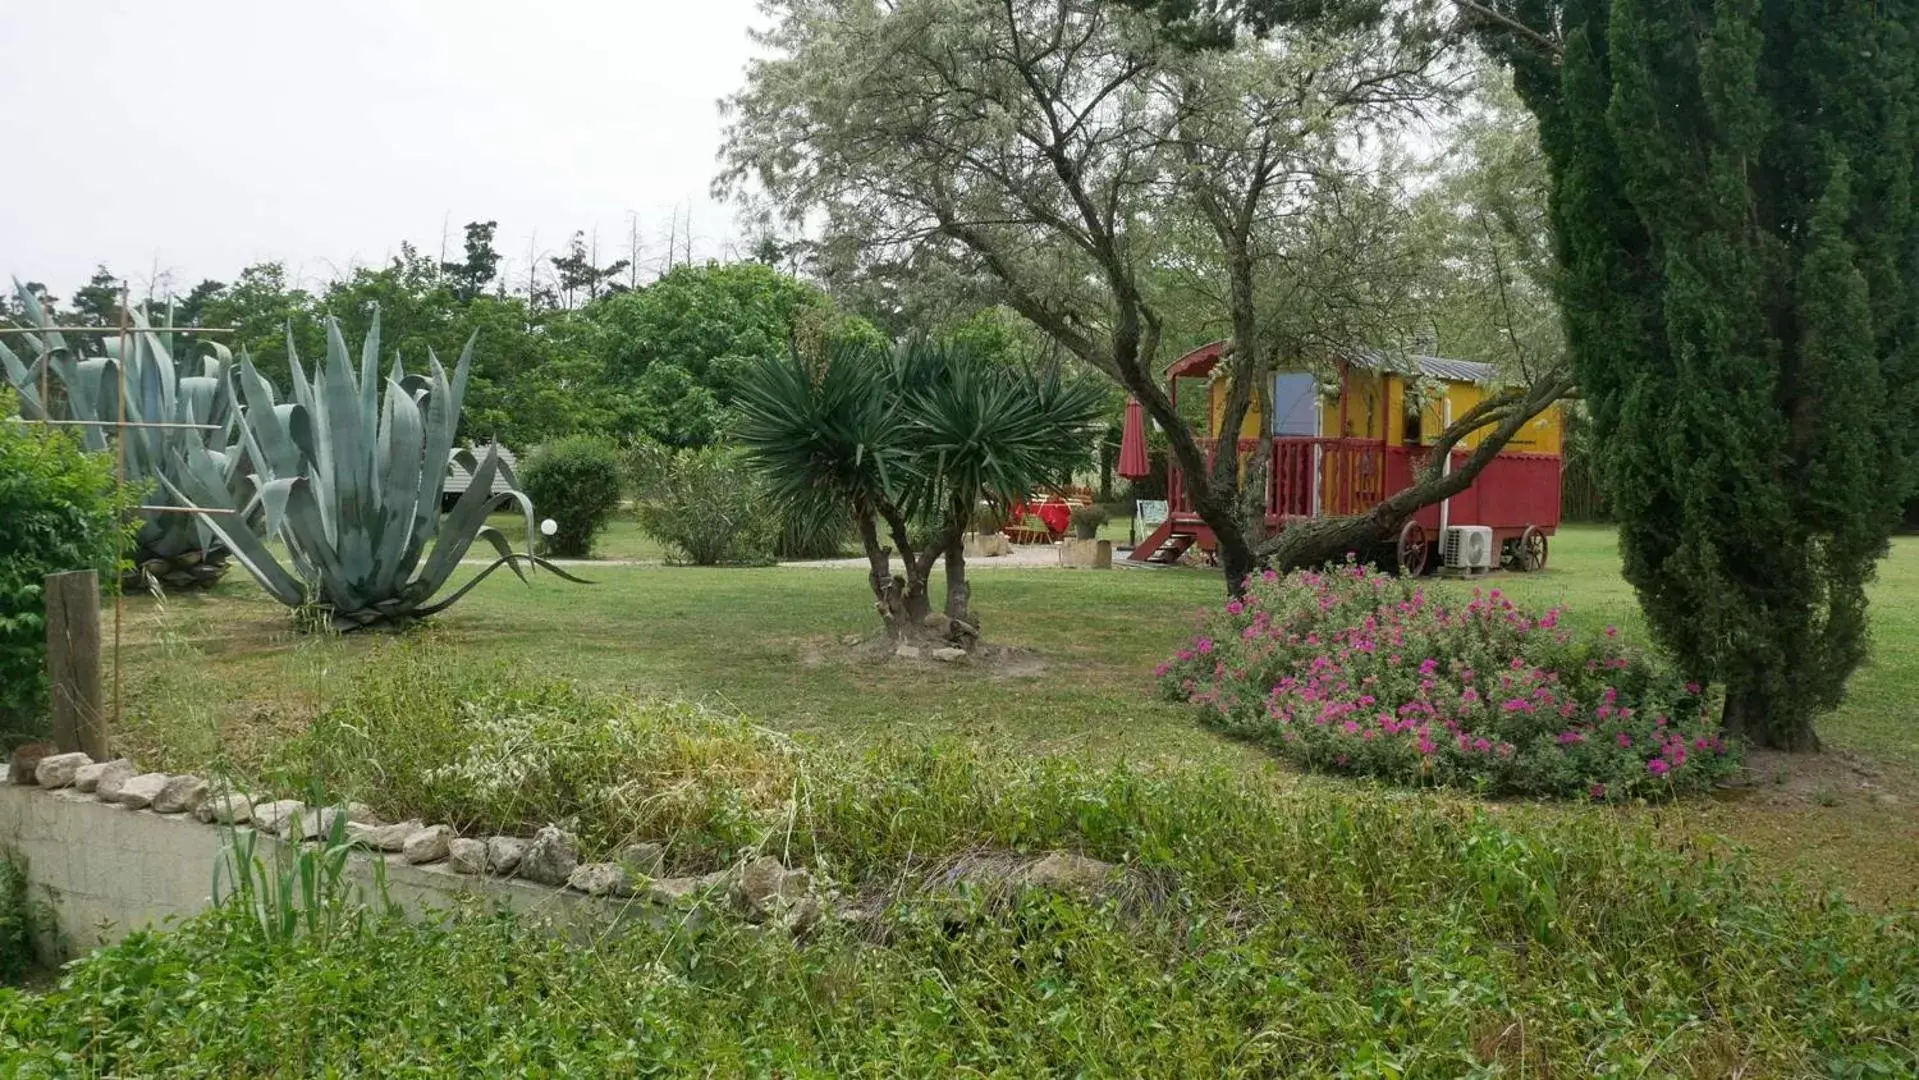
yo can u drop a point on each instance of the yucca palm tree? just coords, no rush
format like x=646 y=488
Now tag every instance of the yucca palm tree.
x=913 y=440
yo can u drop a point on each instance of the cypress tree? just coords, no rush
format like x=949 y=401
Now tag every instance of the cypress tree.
x=1733 y=200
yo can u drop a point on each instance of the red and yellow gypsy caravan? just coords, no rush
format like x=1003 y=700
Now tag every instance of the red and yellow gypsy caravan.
x=1341 y=448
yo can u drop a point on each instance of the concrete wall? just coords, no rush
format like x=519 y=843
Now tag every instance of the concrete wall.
x=107 y=870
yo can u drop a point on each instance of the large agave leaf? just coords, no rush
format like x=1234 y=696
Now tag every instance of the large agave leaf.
x=202 y=483
x=466 y=519
x=403 y=454
x=25 y=380
x=293 y=511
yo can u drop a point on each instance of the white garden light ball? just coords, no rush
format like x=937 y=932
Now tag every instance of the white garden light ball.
x=549 y=527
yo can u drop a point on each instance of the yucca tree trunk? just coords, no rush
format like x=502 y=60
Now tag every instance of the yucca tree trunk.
x=889 y=591
x=961 y=624
x=904 y=598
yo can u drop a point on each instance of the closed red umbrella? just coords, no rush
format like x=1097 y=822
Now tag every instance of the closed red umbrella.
x=1133 y=463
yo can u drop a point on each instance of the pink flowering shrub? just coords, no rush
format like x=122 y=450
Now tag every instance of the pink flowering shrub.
x=1354 y=671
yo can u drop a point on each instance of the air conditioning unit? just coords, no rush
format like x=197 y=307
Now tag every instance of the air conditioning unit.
x=1468 y=547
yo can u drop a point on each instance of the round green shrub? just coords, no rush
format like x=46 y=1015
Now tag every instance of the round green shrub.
x=1354 y=671
x=61 y=511
x=576 y=482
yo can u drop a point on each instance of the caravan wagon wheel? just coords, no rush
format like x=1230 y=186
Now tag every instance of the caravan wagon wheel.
x=1532 y=549
x=1413 y=549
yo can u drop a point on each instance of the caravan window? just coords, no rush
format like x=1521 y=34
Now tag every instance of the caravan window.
x=1295 y=404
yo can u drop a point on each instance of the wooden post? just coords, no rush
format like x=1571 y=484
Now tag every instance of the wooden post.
x=73 y=662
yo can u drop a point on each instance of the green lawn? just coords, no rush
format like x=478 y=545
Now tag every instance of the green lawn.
x=225 y=674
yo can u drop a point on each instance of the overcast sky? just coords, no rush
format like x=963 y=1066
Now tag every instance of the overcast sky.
x=200 y=136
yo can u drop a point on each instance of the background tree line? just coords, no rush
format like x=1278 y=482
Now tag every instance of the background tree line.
x=593 y=350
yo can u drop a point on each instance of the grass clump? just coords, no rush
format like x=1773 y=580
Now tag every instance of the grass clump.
x=1354 y=671
x=507 y=751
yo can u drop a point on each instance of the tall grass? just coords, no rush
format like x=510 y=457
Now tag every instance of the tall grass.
x=1356 y=932
x=1371 y=939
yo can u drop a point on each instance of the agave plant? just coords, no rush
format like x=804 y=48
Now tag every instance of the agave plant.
x=351 y=482
x=175 y=548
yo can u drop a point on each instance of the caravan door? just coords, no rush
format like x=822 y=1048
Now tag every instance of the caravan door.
x=1295 y=467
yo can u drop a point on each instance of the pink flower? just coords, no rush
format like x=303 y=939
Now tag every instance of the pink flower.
x=1692 y=688
x=1482 y=744
x=1657 y=766
x=1624 y=740
x=1598 y=791
x=1203 y=645
x=1568 y=738
x=1234 y=607
x=1428 y=666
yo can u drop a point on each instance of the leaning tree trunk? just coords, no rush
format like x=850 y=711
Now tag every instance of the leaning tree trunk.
x=1318 y=541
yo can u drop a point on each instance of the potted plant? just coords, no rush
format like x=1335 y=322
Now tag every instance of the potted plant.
x=1088 y=519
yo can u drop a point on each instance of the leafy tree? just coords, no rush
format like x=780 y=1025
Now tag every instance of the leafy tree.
x=711 y=321
x=912 y=440
x=263 y=307
x=472 y=274
x=1733 y=199
x=97 y=303
x=579 y=272
x=1085 y=166
x=1485 y=246
x=669 y=407
x=190 y=310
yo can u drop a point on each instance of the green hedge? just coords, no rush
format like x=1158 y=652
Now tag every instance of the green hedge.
x=59 y=510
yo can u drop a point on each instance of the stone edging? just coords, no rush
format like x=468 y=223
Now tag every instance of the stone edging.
x=762 y=889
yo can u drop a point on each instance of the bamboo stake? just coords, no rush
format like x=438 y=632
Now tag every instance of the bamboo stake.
x=122 y=329
x=117 y=424
x=119 y=592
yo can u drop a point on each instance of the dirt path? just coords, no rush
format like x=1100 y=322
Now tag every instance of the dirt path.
x=1024 y=557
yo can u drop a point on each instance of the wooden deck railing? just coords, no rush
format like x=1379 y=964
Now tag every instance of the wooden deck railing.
x=1305 y=477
